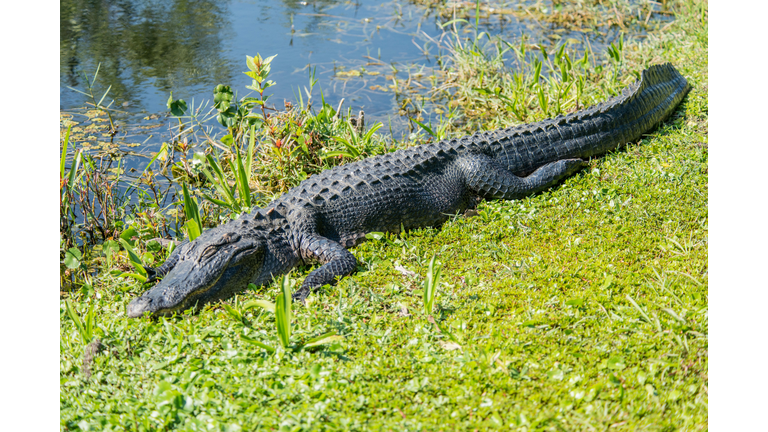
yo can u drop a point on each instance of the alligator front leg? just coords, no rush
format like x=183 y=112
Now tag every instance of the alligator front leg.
x=336 y=261
x=154 y=273
x=490 y=180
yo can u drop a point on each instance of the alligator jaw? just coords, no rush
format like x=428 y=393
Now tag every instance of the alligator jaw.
x=138 y=307
x=173 y=293
x=218 y=264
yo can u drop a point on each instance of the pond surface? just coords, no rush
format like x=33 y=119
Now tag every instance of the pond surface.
x=146 y=49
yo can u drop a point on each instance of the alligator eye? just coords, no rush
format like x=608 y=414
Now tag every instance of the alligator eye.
x=208 y=252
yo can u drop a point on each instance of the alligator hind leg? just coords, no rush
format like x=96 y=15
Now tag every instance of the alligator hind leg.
x=336 y=263
x=490 y=180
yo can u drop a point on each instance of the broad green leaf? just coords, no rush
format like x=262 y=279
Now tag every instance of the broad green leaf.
x=220 y=181
x=430 y=285
x=90 y=322
x=556 y=374
x=250 y=63
x=64 y=152
x=537 y=70
x=226 y=119
x=543 y=102
x=128 y=234
x=264 y=304
x=257 y=343
x=608 y=280
x=193 y=225
x=242 y=182
x=134 y=258
x=326 y=338
x=283 y=312
x=75 y=167
x=302 y=140
x=233 y=312
x=222 y=97
x=249 y=154
x=72 y=258
x=639 y=309
x=616 y=363
x=219 y=202
x=110 y=247
x=575 y=302
x=374 y=236
x=193 y=230
x=425 y=127
x=331 y=154
x=138 y=277
x=72 y=312
x=177 y=107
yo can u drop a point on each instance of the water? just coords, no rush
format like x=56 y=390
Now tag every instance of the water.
x=146 y=49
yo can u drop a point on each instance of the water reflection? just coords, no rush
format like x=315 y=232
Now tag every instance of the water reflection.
x=162 y=44
x=365 y=52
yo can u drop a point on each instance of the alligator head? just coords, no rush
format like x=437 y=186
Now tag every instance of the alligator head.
x=219 y=263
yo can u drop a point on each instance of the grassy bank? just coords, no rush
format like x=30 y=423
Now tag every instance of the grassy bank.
x=581 y=308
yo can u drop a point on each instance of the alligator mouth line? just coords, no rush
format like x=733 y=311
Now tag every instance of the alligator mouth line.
x=189 y=300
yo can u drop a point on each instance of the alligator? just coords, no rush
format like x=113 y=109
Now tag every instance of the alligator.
x=318 y=220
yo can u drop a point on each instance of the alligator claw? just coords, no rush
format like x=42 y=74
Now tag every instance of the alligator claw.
x=151 y=273
x=301 y=295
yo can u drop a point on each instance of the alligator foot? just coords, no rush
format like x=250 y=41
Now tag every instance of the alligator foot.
x=151 y=274
x=301 y=295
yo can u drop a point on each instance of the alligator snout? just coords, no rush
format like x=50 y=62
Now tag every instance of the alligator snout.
x=138 y=306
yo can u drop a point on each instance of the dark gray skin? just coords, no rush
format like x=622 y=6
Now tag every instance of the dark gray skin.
x=421 y=186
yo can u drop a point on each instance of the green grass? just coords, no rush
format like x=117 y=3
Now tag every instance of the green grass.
x=582 y=308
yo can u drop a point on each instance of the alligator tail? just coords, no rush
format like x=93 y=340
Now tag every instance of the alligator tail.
x=642 y=106
x=595 y=130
